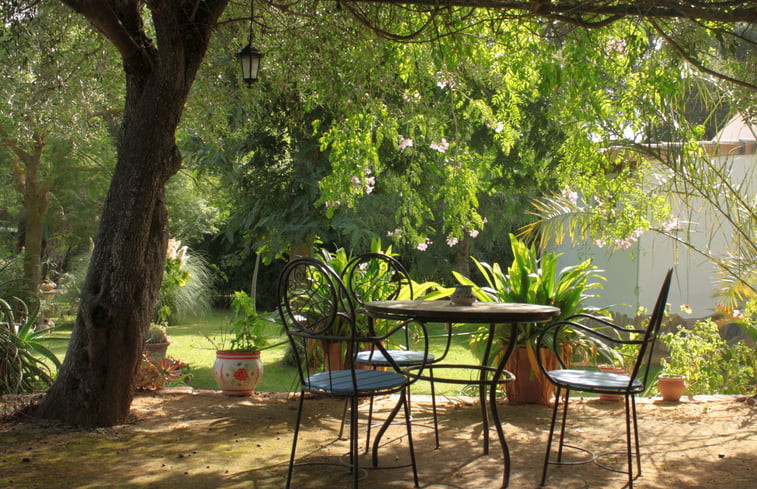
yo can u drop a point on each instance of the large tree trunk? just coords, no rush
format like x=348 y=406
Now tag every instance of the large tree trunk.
x=95 y=386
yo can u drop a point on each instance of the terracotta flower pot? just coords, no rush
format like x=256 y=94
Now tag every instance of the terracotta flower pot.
x=157 y=350
x=671 y=387
x=530 y=386
x=237 y=373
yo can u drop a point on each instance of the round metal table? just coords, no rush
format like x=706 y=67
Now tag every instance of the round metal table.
x=491 y=313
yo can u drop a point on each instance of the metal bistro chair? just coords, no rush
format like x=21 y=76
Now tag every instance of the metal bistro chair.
x=627 y=386
x=377 y=276
x=314 y=307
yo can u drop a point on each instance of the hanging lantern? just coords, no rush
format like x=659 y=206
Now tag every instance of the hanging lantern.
x=249 y=58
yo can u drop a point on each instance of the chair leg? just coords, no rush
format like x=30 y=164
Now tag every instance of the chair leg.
x=562 y=428
x=636 y=437
x=368 y=430
x=409 y=426
x=294 y=441
x=629 y=448
x=354 y=446
x=344 y=416
x=433 y=406
x=549 y=438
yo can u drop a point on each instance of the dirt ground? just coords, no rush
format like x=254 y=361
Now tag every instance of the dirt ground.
x=207 y=440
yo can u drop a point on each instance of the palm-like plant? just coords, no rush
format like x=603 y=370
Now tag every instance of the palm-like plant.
x=533 y=279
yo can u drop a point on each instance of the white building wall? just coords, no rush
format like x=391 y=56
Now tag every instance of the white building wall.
x=634 y=276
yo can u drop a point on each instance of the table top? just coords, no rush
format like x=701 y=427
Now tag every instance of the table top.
x=444 y=311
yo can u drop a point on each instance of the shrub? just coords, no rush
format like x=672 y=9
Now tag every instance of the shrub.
x=710 y=364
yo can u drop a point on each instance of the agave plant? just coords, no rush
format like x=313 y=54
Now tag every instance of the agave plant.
x=22 y=355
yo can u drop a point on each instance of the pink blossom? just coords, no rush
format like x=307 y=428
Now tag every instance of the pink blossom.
x=738 y=314
x=441 y=146
x=623 y=243
x=422 y=246
x=451 y=241
x=671 y=225
x=600 y=242
x=405 y=143
x=355 y=180
x=473 y=234
x=570 y=195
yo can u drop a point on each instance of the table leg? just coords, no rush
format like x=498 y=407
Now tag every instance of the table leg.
x=493 y=403
x=387 y=423
x=482 y=388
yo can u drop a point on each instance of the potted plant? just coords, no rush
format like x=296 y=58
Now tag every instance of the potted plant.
x=238 y=369
x=157 y=341
x=531 y=279
x=671 y=386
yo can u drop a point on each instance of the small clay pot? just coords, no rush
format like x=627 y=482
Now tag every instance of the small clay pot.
x=671 y=387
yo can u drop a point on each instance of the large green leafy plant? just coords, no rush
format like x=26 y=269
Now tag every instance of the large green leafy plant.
x=533 y=279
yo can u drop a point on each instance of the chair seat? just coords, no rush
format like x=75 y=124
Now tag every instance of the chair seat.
x=401 y=357
x=595 y=381
x=340 y=381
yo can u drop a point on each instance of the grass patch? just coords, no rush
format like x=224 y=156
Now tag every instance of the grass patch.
x=191 y=346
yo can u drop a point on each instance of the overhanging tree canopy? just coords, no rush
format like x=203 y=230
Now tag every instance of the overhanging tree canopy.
x=95 y=385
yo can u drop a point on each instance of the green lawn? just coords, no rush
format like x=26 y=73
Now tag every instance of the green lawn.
x=191 y=346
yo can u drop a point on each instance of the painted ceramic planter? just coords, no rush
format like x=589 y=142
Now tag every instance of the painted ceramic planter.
x=237 y=373
x=463 y=295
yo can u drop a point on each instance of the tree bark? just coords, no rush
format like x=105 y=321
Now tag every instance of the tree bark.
x=462 y=256
x=95 y=385
x=35 y=192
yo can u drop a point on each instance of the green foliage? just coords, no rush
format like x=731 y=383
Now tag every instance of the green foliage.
x=533 y=279
x=710 y=365
x=247 y=326
x=23 y=357
x=59 y=90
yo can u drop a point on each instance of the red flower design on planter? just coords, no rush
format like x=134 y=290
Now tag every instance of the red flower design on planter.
x=241 y=374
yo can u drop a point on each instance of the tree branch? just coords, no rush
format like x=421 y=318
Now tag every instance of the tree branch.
x=576 y=11
x=697 y=64
x=102 y=15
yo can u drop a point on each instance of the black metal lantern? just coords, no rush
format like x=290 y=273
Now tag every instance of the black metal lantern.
x=249 y=56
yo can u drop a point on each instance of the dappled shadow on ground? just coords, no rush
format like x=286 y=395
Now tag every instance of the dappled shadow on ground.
x=213 y=441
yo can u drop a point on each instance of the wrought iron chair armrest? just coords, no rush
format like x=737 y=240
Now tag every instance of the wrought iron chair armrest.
x=605 y=321
x=555 y=328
